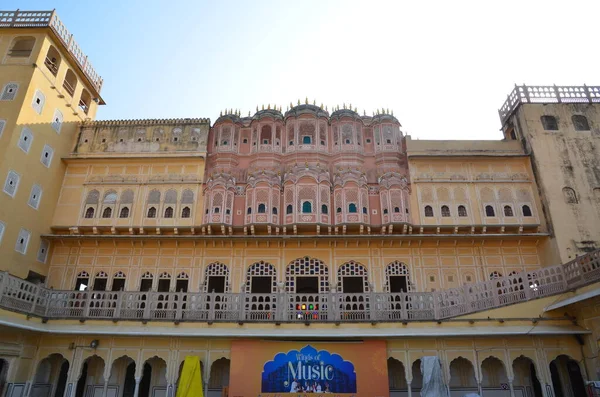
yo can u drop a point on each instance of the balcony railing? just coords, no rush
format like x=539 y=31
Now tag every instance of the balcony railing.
x=547 y=94
x=24 y=297
x=35 y=19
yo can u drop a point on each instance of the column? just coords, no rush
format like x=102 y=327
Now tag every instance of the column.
x=510 y=386
x=136 y=391
x=409 y=388
x=479 y=388
x=105 y=387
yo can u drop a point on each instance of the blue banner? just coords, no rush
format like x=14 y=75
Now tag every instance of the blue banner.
x=308 y=371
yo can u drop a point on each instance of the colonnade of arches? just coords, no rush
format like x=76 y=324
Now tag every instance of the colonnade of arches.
x=302 y=275
x=54 y=377
x=493 y=378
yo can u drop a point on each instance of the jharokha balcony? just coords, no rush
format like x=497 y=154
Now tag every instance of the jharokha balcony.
x=283 y=307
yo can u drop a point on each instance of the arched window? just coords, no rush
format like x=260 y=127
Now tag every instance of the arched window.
x=385 y=211
x=508 y=211
x=289 y=209
x=262 y=209
x=152 y=212
x=570 y=195
x=445 y=211
x=364 y=210
x=428 y=211
x=549 y=123
x=22 y=47
x=154 y=197
x=52 y=60
x=70 y=82
x=274 y=210
x=107 y=213
x=169 y=212
x=397 y=210
x=339 y=210
x=84 y=101
x=249 y=211
x=124 y=213
x=324 y=209
x=306 y=207
x=306 y=140
x=526 y=210
x=494 y=275
x=462 y=211
x=489 y=211
x=110 y=197
x=186 y=212
x=89 y=213
x=352 y=208
x=217 y=210
x=580 y=123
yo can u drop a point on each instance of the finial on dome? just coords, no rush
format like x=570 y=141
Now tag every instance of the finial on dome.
x=321 y=105
x=315 y=102
x=298 y=102
x=291 y=105
x=256 y=108
x=248 y=113
x=344 y=104
x=387 y=111
x=327 y=110
x=355 y=109
x=269 y=106
x=221 y=113
x=263 y=107
x=350 y=106
x=364 y=112
x=392 y=112
x=306 y=100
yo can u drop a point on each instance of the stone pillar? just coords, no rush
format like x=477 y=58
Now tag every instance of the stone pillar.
x=105 y=387
x=136 y=391
x=408 y=387
x=510 y=386
x=479 y=388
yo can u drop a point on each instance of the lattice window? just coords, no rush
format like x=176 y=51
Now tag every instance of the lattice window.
x=154 y=197
x=110 y=197
x=93 y=197
x=549 y=123
x=9 y=92
x=216 y=269
x=428 y=211
x=445 y=211
x=171 y=196
x=25 y=139
x=186 y=212
x=183 y=276
x=38 y=101
x=526 y=210
x=187 y=197
x=580 y=123
x=151 y=212
x=489 y=211
x=353 y=269
x=101 y=274
x=119 y=274
x=462 y=211
x=47 y=154
x=394 y=269
x=306 y=267
x=147 y=275
x=325 y=194
x=508 y=211
x=169 y=212
x=35 y=196
x=261 y=269
x=11 y=183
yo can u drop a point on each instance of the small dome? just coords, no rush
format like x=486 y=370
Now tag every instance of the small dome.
x=338 y=114
x=233 y=117
x=306 y=109
x=384 y=117
x=273 y=113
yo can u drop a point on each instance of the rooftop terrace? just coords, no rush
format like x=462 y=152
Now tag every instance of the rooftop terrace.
x=547 y=94
x=39 y=19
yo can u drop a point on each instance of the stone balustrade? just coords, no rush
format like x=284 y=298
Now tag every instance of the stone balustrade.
x=34 y=300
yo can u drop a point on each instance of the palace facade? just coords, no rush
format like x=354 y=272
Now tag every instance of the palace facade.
x=307 y=234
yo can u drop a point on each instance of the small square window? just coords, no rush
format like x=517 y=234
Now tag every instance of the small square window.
x=432 y=279
x=35 y=196
x=368 y=140
x=12 y=183
x=38 y=101
x=450 y=279
x=25 y=139
x=57 y=121
x=245 y=140
x=2 y=125
x=468 y=278
x=23 y=241
x=47 y=154
x=43 y=251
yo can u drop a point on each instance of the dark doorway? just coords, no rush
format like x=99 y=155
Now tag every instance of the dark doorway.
x=537 y=387
x=35 y=278
x=181 y=286
x=261 y=285
x=556 y=383
x=129 y=385
x=164 y=284
x=82 y=283
x=307 y=285
x=3 y=372
x=62 y=379
x=398 y=284
x=118 y=284
x=146 y=285
x=576 y=379
x=79 y=391
x=145 y=382
x=100 y=284
x=353 y=285
x=216 y=284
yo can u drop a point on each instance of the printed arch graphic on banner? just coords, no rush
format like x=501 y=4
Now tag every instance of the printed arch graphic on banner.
x=308 y=370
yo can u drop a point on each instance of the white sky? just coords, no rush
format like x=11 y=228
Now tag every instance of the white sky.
x=444 y=67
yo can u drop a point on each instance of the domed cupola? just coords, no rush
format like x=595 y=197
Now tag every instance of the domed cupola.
x=347 y=130
x=267 y=127
x=386 y=132
x=306 y=108
x=306 y=128
x=226 y=131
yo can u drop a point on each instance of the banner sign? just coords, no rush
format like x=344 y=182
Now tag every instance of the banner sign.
x=284 y=369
